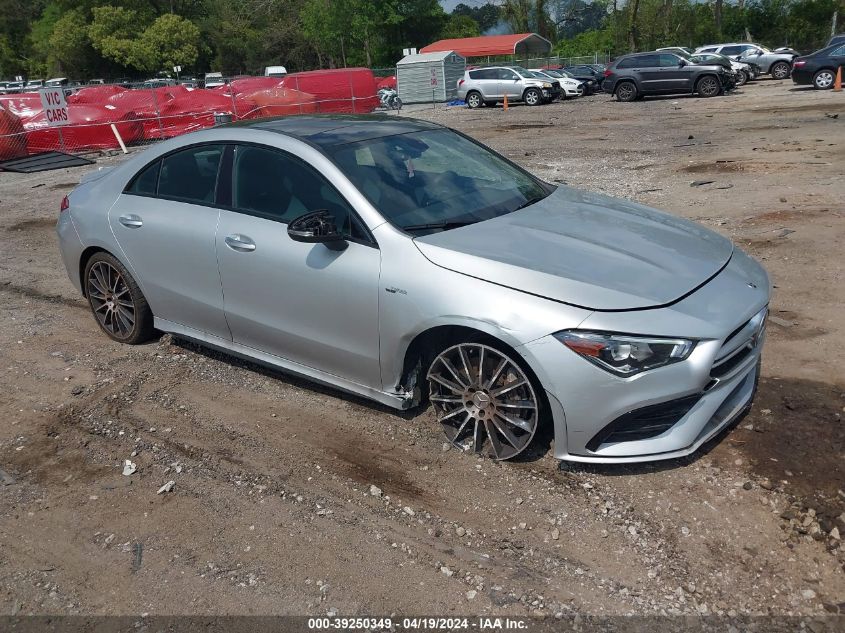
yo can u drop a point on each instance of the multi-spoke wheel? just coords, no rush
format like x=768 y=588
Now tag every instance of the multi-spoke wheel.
x=708 y=86
x=116 y=301
x=483 y=399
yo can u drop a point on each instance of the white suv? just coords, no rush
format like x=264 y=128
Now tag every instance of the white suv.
x=488 y=86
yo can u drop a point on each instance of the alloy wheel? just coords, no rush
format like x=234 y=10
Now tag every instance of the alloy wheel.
x=823 y=79
x=111 y=300
x=780 y=70
x=708 y=87
x=532 y=97
x=483 y=400
x=473 y=100
x=626 y=91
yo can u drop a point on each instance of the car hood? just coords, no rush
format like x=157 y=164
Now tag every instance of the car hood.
x=585 y=249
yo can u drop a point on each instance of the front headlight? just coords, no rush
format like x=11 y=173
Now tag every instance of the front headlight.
x=625 y=355
x=547 y=85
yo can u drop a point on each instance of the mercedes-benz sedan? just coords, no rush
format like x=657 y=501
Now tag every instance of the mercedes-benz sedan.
x=404 y=262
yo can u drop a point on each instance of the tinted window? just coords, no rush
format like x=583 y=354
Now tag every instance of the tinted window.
x=839 y=52
x=712 y=49
x=483 y=73
x=647 y=61
x=272 y=184
x=191 y=174
x=667 y=61
x=731 y=50
x=506 y=74
x=628 y=62
x=145 y=183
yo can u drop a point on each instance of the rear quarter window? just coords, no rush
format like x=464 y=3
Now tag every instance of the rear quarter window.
x=626 y=63
x=145 y=182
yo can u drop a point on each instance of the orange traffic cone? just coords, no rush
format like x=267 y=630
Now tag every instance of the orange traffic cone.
x=837 y=83
x=505 y=102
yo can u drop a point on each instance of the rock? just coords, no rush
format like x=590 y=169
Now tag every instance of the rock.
x=446 y=446
x=747 y=485
x=77 y=390
x=523 y=525
x=460 y=531
x=446 y=571
x=407 y=510
x=129 y=467
x=766 y=485
x=834 y=534
x=766 y=411
x=471 y=594
x=166 y=487
x=685 y=530
x=632 y=530
x=375 y=491
x=808 y=594
x=5 y=478
x=555 y=534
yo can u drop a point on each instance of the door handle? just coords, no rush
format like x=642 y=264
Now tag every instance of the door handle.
x=131 y=221
x=240 y=243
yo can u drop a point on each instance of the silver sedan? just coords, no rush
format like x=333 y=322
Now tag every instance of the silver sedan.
x=404 y=262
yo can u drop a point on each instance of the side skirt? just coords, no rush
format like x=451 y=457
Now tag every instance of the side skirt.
x=399 y=401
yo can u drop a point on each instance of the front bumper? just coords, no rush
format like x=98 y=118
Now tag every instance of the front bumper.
x=587 y=401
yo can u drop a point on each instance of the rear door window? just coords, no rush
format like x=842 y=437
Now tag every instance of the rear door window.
x=729 y=51
x=146 y=182
x=191 y=174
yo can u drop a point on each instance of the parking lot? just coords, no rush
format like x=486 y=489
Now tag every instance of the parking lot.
x=291 y=498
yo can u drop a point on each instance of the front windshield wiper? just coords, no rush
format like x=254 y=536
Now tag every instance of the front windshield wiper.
x=453 y=224
x=529 y=202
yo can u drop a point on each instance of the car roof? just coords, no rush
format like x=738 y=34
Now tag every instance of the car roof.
x=338 y=129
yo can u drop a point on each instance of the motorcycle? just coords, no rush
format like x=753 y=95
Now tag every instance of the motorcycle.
x=389 y=99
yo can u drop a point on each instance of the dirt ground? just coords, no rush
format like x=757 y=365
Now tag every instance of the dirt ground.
x=272 y=511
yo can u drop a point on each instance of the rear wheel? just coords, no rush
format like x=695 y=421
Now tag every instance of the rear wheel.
x=780 y=70
x=532 y=97
x=626 y=91
x=823 y=79
x=116 y=300
x=708 y=86
x=474 y=100
x=484 y=399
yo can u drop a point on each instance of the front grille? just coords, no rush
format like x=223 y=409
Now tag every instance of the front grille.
x=644 y=423
x=739 y=345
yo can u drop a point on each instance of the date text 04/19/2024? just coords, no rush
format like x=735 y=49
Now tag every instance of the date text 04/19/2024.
x=417 y=623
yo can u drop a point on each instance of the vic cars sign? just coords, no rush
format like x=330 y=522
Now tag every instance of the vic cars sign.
x=55 y=106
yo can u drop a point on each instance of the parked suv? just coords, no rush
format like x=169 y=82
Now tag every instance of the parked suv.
x=640 y=74
x=778 y=63
x=488 y=86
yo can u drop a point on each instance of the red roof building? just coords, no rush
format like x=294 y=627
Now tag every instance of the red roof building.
x=524 y=44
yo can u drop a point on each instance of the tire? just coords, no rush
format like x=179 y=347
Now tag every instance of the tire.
x=532 y=97
x=823 y=80
x=626 y=91
x=397 y=103
x=485 y=397
x=780 y=70
x=107 y=285
x=474 y=100
x=708 y=86
x=741 y=78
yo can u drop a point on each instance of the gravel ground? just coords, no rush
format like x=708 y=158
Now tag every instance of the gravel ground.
x=289 y=498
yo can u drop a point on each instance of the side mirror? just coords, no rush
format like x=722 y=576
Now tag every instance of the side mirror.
x=682 y=63
x=317 y=227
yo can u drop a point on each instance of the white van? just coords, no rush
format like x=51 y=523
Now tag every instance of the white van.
x=212 y=80
x=275 y=71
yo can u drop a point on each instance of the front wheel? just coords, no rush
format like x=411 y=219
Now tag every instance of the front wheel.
x=708 y=86
x=533 y=97
x=741 y=78
x=823 y=79
x=116 y=300
x=484 y=400
x=780 y=70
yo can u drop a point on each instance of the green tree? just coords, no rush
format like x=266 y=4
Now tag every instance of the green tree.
x=460 y=26
x=169 y=41
x=70 y=51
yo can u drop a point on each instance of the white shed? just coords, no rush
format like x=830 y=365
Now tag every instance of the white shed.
x=429 y=77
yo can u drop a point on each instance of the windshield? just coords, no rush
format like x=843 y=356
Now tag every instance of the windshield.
x=435 y=180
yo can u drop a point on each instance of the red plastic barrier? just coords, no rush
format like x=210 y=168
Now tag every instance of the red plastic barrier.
x=89 y=128
x=246 y=85
x=12 y=137
x=95 y=94
x=278 y=101
x=23 y=104
x=338 y=89
x=387 y=82
x=195 y=110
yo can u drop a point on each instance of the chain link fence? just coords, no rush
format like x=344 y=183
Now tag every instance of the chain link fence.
x=107 y=116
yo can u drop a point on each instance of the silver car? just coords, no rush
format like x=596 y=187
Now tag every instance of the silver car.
x=488 y=86
x=777 y=63
x=404 y=262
